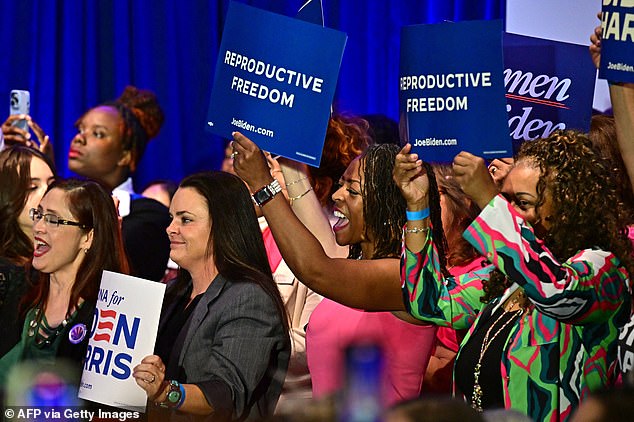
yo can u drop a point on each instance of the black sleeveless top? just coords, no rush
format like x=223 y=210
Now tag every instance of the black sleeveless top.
x=490 y=378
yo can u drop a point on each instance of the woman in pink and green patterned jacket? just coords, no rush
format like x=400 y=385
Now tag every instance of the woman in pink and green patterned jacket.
x=544 y=334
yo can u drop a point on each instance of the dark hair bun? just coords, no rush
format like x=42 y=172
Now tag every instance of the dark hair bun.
x=145 y=106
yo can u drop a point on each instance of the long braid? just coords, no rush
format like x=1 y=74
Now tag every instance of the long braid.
x=436 y=219
x=383 y=204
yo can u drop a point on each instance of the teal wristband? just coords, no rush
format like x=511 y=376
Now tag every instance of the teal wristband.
x=417 y=215
x=180 y=402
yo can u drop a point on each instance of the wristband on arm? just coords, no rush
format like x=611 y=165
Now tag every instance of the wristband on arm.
x=417 y=215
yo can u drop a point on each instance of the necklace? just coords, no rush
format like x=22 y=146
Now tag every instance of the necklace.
x=476 y=396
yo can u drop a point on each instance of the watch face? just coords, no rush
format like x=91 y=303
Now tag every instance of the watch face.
x=262 y=196
x=174 y=396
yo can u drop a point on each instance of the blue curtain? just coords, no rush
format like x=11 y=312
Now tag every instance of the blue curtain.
x=74 y=54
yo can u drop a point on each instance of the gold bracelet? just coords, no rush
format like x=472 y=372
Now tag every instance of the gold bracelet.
x=417 y=230
x=295 y=198
x=301 y=179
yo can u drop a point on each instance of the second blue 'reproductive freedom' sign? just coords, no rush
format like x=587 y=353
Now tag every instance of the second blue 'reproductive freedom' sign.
x=452 y=90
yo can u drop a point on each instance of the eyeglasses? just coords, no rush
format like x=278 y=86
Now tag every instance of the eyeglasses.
x=53 y=220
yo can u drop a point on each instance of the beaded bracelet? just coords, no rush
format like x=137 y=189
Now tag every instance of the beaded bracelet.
x=417 y=215
x=417 y=230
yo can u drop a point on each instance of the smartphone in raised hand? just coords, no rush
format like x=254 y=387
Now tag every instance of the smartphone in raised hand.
x=20 y=103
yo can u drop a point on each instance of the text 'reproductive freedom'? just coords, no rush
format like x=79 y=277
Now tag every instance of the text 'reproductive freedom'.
x=270 y=71
x=440 y=81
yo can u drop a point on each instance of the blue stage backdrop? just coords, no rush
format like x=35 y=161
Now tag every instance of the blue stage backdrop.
x=74 y=54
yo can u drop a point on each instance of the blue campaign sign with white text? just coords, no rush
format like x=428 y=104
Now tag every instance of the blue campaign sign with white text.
x=549 y=86
x=275 y=80
x=451 y=90
x=617 y=45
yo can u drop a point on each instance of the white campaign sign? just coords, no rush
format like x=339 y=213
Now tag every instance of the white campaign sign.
x=124 y=330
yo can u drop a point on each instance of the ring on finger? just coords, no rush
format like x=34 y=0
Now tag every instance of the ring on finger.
x=151 y=380
x=233 y=154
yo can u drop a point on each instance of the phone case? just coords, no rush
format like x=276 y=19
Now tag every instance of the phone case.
x=20 y=103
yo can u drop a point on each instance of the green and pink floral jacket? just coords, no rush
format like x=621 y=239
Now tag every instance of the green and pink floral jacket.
x=565 y=346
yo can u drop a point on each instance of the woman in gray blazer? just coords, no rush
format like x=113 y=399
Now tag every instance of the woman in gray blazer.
x=223 y=348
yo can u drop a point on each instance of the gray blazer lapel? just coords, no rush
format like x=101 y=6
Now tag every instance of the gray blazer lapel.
x=201 y=311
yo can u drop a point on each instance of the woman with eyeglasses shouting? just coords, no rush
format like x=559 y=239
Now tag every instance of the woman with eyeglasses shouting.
x=76 y=236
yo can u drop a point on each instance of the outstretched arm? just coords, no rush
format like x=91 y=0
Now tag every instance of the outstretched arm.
x=622 y=98
x=413 y=183
x=366 y=284
x=428 y=295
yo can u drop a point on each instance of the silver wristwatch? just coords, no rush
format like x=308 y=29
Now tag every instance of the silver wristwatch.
x=268 y=192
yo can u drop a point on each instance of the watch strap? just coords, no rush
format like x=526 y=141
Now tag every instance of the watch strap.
x=174 y=396
x=266 y=193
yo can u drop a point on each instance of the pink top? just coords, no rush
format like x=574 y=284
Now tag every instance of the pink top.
x=406 y=349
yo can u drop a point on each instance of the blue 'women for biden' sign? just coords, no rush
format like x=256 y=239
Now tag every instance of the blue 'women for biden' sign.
x=275 y=80
x=452 y=91
x=549 y=86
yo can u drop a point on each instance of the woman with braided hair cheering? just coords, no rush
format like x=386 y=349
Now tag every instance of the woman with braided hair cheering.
x=370 y=213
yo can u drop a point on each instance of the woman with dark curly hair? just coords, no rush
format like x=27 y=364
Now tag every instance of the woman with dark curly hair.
x=544 y=335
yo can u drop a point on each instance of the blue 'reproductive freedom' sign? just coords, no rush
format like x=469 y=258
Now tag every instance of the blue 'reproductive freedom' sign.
x=275 y=80
x=451 y=90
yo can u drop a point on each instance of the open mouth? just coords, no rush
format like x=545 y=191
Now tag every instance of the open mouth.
x=342 y=220
x=41 y=248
